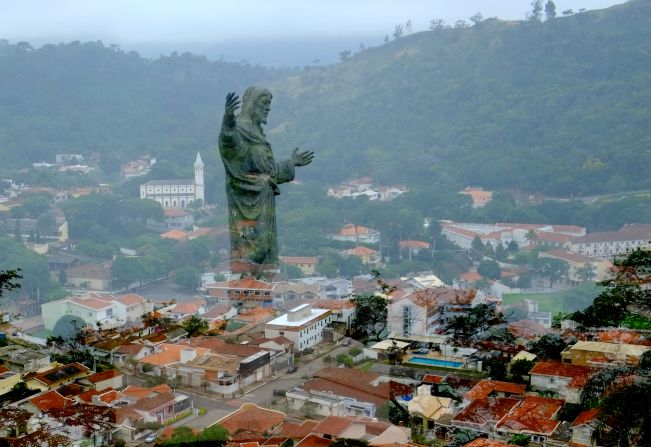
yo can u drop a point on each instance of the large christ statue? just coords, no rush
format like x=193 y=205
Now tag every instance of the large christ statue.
x=252 y=178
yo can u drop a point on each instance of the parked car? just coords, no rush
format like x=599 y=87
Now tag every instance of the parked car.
x=280 y=393
x=346 y=342
x=151 y=438
x=292 y=369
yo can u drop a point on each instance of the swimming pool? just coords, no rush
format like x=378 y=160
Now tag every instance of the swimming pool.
x=436 y=362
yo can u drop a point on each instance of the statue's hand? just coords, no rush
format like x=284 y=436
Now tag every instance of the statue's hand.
x=232 y=104
x=302 y=158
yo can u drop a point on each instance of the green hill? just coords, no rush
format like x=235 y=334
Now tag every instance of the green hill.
x=560 y=107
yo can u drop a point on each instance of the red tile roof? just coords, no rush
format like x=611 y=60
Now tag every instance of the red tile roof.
x=347 y=374
x=62 y=373
x=569 y=256
x=586 y=416
x=486 y=387
x=314 y=441
x=296 y=431
x=414 y=244
x=485 y=411
x=379 y=395
x=333 y=425
x=175 y=234
x=579 y=374
x=91 y=303
x=299 y=259
x=251 y=418
x=138 y=392
x=483 y=442
x=433 y=379
x=533 y=415
x=104 y=375
x=51 y=400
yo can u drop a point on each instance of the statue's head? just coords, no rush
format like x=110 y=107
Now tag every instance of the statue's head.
x=256 y=103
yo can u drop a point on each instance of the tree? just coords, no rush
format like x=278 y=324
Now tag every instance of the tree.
x=188 y=278
x=436 y=24
x=408 y=27
x=551 y=268
x=476 y=18
x=398 y=32
x=476 y=249
x=623 y=294
x=520 y=368
x=344 y=55
x=531 y=237
x=125 y=271
x=195 y=325
x=489 y=269
x=9 y=280
x=536 y=11
x=550 y=10
x=476 y=320
x=587 y=272
x=549 y=346
x=370 y=316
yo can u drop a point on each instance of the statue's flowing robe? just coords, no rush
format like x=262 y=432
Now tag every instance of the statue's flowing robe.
x=252 y=178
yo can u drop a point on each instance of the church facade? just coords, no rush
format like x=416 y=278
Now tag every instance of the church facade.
x=177 y=193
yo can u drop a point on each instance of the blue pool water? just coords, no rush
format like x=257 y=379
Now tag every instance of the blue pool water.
x=436 y=362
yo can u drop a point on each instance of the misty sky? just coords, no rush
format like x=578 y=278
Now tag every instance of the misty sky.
x=198 y=24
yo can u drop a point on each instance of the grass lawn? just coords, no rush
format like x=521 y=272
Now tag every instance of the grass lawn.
x=365 y=366
x=547 y=302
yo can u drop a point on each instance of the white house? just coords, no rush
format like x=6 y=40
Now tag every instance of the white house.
x=303 y=325
x=612 y=243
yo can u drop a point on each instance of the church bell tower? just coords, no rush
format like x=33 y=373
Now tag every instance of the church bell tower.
x=198 y=180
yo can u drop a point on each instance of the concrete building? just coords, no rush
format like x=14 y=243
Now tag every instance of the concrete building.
x=177 y=193
x=21 y=359
x=608 y=244
x=303 y=325
x=601 y=354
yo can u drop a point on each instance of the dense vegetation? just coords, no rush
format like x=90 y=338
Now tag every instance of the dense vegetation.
x=559 y=106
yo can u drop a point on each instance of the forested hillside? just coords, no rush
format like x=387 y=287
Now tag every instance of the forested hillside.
x=560 y=106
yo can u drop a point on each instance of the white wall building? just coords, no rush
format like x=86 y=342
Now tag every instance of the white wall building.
x=303 y=325
x=108 y=310
x=177 y=193
x=608 y=244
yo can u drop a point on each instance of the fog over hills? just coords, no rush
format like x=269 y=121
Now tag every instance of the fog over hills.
x=559 y=106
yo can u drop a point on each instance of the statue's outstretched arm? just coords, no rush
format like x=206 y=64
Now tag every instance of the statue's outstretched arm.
x=302 y=158
x=232 y=104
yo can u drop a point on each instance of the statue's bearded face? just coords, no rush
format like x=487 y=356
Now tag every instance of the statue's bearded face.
x=261 y=110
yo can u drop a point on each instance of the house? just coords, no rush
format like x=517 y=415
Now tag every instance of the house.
x=356 y=233
x=580 y=265
x=181 y=311
x=334 y=288
x=8 y=379
x=613 y=243
x=92 y=276
x=584 y=427
x=251 y=419
x=367 y=255
x=306 y=264
x=156 y=404
x=425 y=312
x=175 y=235
x=600 y=354
x=55 y=377
x=257 y=293
x=535 y=416
x=218 y=313
x=341 y=392
x=22 y=359
x=478 y=196
x=97 y=310
x=495 y=388
x=287 y=292
x=110 y=378
x=138 y=167
x=430 y=408
x=564 y=380
x=167 y=354
x=413 y=248
x=366 y=429
x=343 y=312
x=303 y=325
x=131 y=352
x=481 y=415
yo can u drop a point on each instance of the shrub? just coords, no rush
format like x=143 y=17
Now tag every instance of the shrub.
x=355 y=351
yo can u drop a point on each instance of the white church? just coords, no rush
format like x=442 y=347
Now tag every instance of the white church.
x=177 y=193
